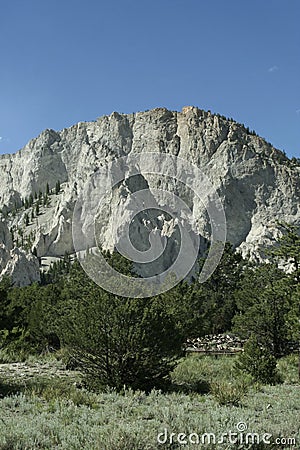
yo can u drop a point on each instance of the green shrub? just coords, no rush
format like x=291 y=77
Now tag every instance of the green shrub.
x=132 y=420
x=288 y=368
x=52 y=393
x=195 y=368
x=15 y=345
x=258 y=361
x=229 y=393
x=119 y=342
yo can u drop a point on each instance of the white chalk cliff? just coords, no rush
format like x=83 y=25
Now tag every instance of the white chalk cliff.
x=257 y=184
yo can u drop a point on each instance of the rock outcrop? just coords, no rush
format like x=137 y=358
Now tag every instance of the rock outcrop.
x=257 y=184
x=21 y=266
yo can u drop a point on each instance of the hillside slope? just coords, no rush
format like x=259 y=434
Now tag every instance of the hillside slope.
x=256 y=183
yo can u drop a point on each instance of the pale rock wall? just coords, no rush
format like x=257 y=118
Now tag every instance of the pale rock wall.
x=257 y=184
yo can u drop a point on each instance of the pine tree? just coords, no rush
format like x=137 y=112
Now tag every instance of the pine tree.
x=57 y=187
x=26 y=219
x=259 y=362
x=45 y=200
x=118 y=341
x=288 y=249
x=30 y=202
x=215 y=299
x=264 y=303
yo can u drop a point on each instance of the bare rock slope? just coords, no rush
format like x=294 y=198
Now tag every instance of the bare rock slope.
x=256 y=183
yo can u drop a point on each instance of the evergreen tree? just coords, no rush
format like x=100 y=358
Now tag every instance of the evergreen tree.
x=264 y=303
x=5 y=285
x=288 y=252
x=268 y=298
x=214 y=300
x=26 y=219
x=30 y=201
x=288 y=249
x=45 y=200
x=259 y=362
x=116 y=341
x=57 y=187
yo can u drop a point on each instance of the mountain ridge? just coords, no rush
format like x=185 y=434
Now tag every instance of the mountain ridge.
x=257 y=183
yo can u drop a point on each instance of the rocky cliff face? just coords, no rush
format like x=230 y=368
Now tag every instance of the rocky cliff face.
x=256 y=183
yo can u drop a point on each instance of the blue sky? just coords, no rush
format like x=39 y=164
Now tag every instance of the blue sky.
x=68 y=61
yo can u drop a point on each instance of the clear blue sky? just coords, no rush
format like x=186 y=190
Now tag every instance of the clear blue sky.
x=68 y=61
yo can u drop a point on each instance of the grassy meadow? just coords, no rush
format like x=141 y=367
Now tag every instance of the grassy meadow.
x=45 y=409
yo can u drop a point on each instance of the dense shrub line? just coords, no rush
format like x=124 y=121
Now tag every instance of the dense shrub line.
x=136 y=343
